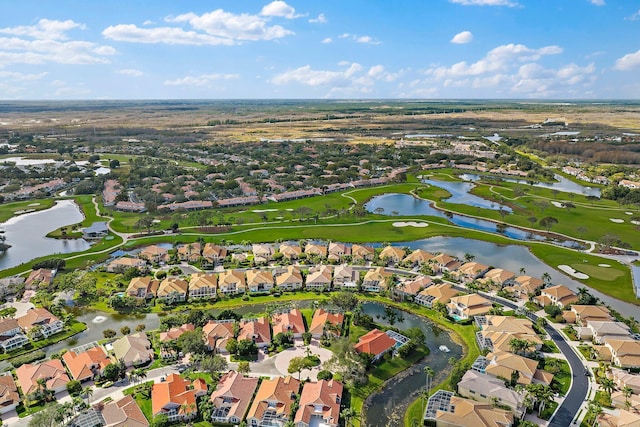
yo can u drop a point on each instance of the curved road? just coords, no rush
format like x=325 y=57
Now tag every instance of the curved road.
x=569 y=408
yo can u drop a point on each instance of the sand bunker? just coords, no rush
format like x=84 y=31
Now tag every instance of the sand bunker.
x=635 y=222
x=33 y=204
x=410 y=224
x=616 y=220
x=263 y=210
x=629 y=213
x=570 y=271
x=557 y=204
x=604 y=265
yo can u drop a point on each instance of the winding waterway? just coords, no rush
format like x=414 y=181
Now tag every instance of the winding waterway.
x=27 y=234
x=563 y=184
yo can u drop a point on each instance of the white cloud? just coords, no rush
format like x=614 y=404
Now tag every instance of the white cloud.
x=628 y=62
x=130 y=72
x=598 y=2
x=201 y=80
x=280 y=9
x=231 y=26
x=48 y=42
x=327 y=40
x=44 y=29
x=21 y=77
x=212 y=28
x=359 y=39
x=485 y=2
x=634 y=17
x=321 y=19
x=463 y=37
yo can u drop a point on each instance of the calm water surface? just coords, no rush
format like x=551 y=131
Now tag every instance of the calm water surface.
x=27 y=234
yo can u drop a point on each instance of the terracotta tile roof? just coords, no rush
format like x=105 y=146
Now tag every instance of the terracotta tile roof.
x=84 y=365
x=291 y=276
x=499 y=276
x=359 y=251
x=258 y=277
x=50 y=370
x=133 y=349
x=216 y=334
x=8 y=391
x=175 y=333
x=412 y=287
x=375 y=342
x=234 y=391
x=124 y=413
x=174 y=391
x=257 y=330
x=320 y=275
x=7 y=325
x=316 y=249
x=276 y=395
x=290 y=321
x=420 y=256
x=36 y=316
x=392 y=252
x=228 y=277
x=211 y=250
x=147 y=284
x=469 y=413
x=322 y=399
x=321 y=317
x=442 y=292
x=41 y=275
x=290 y=250
x=202 y=280
x=172 y=285
x=472 y=269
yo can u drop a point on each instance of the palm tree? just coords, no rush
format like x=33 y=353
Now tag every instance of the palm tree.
x=594 y=411
x=608 y=385
x=429 y=373
x=348 y=414
x=87 y=392
x=627 y=392
x=546 y=278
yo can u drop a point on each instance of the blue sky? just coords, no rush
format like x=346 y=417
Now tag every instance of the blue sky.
x=432 y=49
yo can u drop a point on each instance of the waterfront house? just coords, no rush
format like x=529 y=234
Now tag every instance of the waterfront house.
x=319 y=278
x=489 y=389
x=133 y=350
x=376 y=343
x=154 y=254
x=143 y=287
x=231 y=282
x=466 y=306
x=290 y=321
x=290 y=251
x=326 y=322
x=120 y=265
x=256 y=330
x=289 y=278
x=50 y=371
x=47 y=323
x=376 y=279
x=259 y=281
x=441 y=293
x=203 y=286
x=173 y=289
x=360 y=253
x=11 y=336
x=558 y=295
x=445 y=409
x=337 y=251
x=212 y=254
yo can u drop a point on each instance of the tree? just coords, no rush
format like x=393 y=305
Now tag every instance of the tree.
x=232 y=345
x=111 y=372
x=469 y=257
x=244 y=367
x=346 y=362
x=429 y=376
x=627 y=392
x=45 y=418
x=298 y=364
x=213 y=364
x=347 y=301
x=160 y=420
x=141 y=327
x=125 y=330
x=74 y=387
x=568 y=206
x=87 y=392
x=532 y=220
x=109 y=333
x=247 y=347
x=191 y=342
x=548 y=222
x=546 y=278
x=594 y=411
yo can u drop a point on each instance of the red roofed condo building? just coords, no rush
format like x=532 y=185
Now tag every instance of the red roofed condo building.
x=376 y=343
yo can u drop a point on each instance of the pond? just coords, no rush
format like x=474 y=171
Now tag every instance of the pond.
x=388 y=406
x=513 y=258
x=407 y=205
x=460 y=194
x=562 y=184
x=27 y=234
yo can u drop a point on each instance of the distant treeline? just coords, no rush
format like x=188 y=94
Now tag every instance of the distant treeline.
x=592 y=151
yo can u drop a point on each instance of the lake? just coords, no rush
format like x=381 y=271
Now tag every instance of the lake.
x=27 y=234
x=562 y=184
x=460 y=194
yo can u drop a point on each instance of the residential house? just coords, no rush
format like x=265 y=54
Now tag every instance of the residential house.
x=119 y=265
x=41 y=275
x=97 y=230
x=503 y=364
x=620 y=401
x=558 y=295
x=466 y=306
x=290 y=321
x=392 y=254
x=133 y=350
x=176 y=332
x=212 y=254
x=625 y=379
x=441 y=293
x=262 y=253
x=11 y=336
x=496 y=332
x=418 y=257
x=232 y=282
x=360 y=253
x=9 y=396
x=624 y=353
x=217 y=333
x=124 y=412
x=586 y=313
x=319 y=278
x=239 y=257
x=231 y=397
x=598 y=331
x=319 y=404
x=411 y=287
x=154 y=254
x=203 y=286
x=337 y=251
x=259 y=281
x=443 y=263
x=345 y=277
x=447 y=410
x=488 y=389
x=326 y=322
x=273 y=402
x=40 y=318
x=524 y=286
x=619 y=418
x=51 y=371
x=256 y=330
x=376 y=279
x=318 y=250
x=289 y=279
x=470 y=271
x=189 y=252
x=173 y=289
x=376 y=343
x=176 y=398
x=86 y=365
x=290 y=251
x=634 y=185
x=499 y=277
x=143 y=287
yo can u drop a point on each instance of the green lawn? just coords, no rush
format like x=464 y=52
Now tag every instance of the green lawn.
x=9 y=210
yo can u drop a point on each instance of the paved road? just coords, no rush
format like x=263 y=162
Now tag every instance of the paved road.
x=568 y=409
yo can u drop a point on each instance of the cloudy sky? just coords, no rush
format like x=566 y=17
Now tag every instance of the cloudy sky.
x=167 y=49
